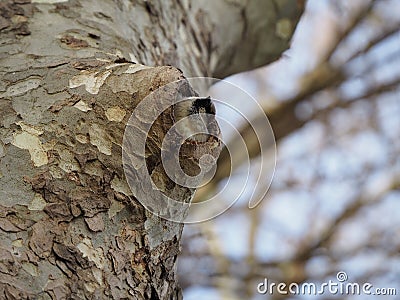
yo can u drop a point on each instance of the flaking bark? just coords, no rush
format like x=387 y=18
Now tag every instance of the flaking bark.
x=69 y=226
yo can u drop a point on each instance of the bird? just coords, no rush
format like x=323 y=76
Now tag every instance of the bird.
x=194 y=118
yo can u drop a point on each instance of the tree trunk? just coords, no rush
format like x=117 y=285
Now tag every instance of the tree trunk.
x=72 y=74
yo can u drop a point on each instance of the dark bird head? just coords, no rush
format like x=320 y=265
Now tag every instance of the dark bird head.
x=203 y=105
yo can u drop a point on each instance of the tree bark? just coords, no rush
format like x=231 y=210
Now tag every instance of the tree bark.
x=71 y=75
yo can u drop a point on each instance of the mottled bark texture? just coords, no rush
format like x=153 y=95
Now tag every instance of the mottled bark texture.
x=69 y=80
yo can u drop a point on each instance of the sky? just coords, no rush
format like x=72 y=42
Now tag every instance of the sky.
x=324 y=166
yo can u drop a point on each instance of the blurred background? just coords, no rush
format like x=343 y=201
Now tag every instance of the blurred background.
x=333 y=101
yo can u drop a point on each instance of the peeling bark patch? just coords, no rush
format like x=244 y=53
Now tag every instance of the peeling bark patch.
x=90 y=287
x=22 y=218
x=94 y=255
x=38 y=203
x=85 y=64
x=68 y=164
x=95 y=223
x=41 y=240
x=91 y=80
x=21 y=87
x=82 y=106
x=115 y=208
x=59 y=211
x=120 y=186
x=56 y=107
x=100 y=139
x=30 y=129
x=19 y=243
x=32 y=143
x=30 y=268
x=19 y=19
x=7 y=226
x=89 y=155
x=119 y=260
x=115 y=114
x=159 y=231
x=13 y=17
x=7 y=114
x=58 y=289
x=136 y=68
x=39 y=181
x=71 y=257
x=88 y=202
x=83 y=139
x=73 y=42
x=7 y=263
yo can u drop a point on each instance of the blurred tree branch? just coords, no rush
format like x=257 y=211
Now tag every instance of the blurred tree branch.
x=326 y=82
x=325 y=76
